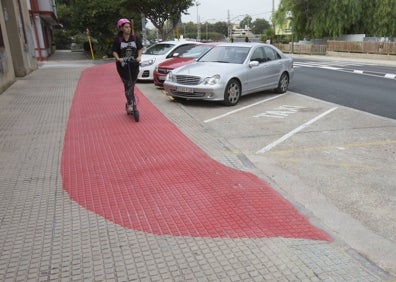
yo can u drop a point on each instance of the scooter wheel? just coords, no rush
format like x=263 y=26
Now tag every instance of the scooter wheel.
x=136 y=115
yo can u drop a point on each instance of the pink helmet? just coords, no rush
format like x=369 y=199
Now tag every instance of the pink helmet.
x=121 y=22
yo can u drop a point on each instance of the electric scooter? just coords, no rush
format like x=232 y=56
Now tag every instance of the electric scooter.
x=134 y=112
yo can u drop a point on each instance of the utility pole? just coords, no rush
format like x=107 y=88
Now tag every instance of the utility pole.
x=198 y=27
x=272 y=14
x=229 y=25
x=273 y=7
x=289 y=16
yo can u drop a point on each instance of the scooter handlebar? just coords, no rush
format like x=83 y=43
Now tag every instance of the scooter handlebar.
x=128 y=59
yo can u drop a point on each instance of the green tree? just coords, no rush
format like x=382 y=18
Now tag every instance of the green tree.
x=188 y=28
x=384 y=18
x=338 y=17
x=159 y=12
x=215 y=31
x=302 y=11
x=99 y=17
x=246 y=21
x=312 y=18
x=269 y=34
x=260 y=26
x=63 y=34
x=221 y=28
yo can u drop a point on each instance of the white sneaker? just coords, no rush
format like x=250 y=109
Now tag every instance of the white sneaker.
x=130 y=108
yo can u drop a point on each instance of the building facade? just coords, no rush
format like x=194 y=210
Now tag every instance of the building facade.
x=43 y=18
x=25 y=37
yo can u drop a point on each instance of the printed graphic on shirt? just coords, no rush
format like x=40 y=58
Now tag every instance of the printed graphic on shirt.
x=128 y=48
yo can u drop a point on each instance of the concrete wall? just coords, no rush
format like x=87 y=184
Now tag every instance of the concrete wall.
x=7 y=74
x=17 y=53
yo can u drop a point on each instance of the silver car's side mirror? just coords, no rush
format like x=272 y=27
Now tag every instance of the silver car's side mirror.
x=253 y=64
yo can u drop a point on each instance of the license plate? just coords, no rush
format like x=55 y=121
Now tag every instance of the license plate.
x=185 y=89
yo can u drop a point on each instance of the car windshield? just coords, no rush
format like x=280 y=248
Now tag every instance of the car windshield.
x=159 y=49
x=226 y=54
x=196 y=51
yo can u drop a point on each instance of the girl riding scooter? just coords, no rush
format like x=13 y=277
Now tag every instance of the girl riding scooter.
x=127 y=50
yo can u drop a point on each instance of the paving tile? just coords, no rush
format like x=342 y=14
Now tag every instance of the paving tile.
x=45 y=235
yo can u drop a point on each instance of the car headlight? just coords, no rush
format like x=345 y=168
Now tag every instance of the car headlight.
x=170 y=77
x=212 y=80
x=147 y=63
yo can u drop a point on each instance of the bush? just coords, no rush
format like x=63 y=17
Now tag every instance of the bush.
x=62 y=39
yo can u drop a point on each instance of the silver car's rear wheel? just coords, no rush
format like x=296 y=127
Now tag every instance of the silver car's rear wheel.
x=283 y=84
x=232 y=93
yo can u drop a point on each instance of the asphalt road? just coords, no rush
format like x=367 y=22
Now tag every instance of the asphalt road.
x=367 y=87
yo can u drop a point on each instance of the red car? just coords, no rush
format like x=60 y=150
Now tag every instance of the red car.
x=186 y=57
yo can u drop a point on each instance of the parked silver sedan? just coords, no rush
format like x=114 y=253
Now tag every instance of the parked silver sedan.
x=231 y=70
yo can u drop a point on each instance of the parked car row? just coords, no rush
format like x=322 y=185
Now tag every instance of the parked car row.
x=190 y=55
x=216 y=71
x=157 y=53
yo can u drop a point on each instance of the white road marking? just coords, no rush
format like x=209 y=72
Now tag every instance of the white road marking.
x=280 y=112
x=243 y=108
x=296 y=130
x=340 y=66
x=330 y=68
x=390 y=75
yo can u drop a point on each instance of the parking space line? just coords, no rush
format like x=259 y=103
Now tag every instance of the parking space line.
x=243 y=108
x=296 y=130
x=334 y=147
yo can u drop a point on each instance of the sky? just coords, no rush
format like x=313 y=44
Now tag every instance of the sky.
x=217 y=10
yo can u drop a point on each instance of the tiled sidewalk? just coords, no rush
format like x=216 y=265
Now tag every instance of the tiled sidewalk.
x=47 y=236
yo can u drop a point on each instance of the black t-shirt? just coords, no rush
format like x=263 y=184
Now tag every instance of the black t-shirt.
x=127 y=48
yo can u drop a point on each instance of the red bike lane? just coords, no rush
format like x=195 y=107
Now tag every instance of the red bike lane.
x=148 y=176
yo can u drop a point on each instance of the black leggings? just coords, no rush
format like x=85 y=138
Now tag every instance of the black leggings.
x=129 y=87
x=129 y=81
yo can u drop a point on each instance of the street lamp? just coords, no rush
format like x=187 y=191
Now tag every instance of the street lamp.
x=198 y=27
